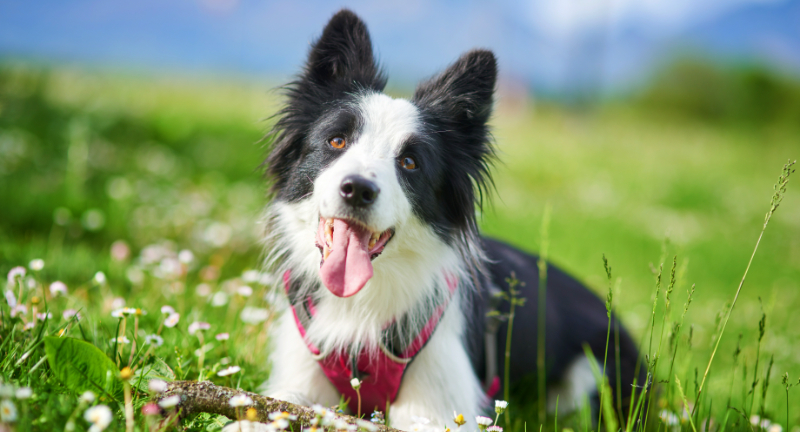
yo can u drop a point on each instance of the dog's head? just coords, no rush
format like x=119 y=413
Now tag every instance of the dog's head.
x=381 y=173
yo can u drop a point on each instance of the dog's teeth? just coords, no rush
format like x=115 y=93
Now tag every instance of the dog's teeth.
x=372 y=242
x=326 y=252
x=329 y=231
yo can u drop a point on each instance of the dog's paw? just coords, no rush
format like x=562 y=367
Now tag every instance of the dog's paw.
x=246 y=426
x=291 y=397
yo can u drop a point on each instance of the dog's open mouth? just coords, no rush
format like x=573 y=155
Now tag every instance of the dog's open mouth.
x=347 y=249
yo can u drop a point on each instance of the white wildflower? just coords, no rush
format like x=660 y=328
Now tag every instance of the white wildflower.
x=244 y=291
x=121 y=340
x=87 y=397
x=500 y=406
x=248 y=426
x=11 y=299
x=775 y=427
x=118 y=303
x=157 y=386
x=219 y=299
x=342 y=425
x=240 y=400
x=99 y=416
x=223 y=336
x=277 y=415
x=366 y=425
x=483 y=421
x=14 y=273
x=229 y=371
x=169 y=268
x=169 y=402
x=36 y=264
x=117 y=313
x=8 y=411
x=251 y=276
x=494 y=429
x=100 y=278
x=185 y=256
x=154 y=339
x=355 y=383
x=44 y=316
x=167 y=310
x=30 y=325
x=198 y=325
x=58 y=288
x=172 y=320
x=253 y=315
x=24 y=393
x=19 y=309
x=120 y=250
x=669 y=418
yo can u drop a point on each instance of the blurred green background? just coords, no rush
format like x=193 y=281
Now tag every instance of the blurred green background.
x=89 y=158
x=132 y=137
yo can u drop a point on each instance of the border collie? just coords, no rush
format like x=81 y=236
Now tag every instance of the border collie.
x=372 y=227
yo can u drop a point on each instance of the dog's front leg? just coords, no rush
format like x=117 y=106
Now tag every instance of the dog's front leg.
x=438 y=382
x=296 y=377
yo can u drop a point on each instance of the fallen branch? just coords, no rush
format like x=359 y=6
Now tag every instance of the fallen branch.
x=206 y=397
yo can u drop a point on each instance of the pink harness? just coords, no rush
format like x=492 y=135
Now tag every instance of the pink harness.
x=380 y=377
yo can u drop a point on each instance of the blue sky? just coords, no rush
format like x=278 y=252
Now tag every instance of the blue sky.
x=552 y=44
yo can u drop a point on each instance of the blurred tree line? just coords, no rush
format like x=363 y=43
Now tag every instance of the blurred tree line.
x=746 y=95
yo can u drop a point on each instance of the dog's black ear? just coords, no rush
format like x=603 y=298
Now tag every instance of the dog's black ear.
x=343 y=55
x=462 y=93
x=457 y=104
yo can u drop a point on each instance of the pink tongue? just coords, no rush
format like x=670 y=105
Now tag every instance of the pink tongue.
x=348 y=267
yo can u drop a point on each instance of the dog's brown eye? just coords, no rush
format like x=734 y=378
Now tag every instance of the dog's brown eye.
x=408 y=163
x=337 y=142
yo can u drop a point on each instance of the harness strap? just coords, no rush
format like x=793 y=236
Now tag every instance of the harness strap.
x=380 y=377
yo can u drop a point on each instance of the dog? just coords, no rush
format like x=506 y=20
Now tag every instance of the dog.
x=372 y=228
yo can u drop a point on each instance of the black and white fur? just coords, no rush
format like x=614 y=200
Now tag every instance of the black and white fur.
x=432 y=210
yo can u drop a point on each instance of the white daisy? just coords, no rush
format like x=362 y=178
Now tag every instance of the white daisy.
x=14 y=273
x=8 y=411
x=229 y=371
x=58 y=288
x=169 y=402
x=36 y=264
x=240 y=400
x=157 y=386
x=99 y=416
x=172 y=320
x=87 y=397
x=198 y=325
x=154 y=339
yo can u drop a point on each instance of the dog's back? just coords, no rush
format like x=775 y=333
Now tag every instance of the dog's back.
x=574 y=317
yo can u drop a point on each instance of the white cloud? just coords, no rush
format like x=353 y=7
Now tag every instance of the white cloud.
x=566 y=18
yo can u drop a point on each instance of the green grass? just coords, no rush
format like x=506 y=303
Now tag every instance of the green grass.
x=174 y=163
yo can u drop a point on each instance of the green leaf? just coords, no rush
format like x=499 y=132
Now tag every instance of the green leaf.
x=158 y=369
x=81 y=366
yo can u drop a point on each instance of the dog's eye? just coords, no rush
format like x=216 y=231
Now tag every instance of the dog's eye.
x=337 y=142
x=408 y=163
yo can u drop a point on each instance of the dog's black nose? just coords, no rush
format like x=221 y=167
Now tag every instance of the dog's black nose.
x=358 y=191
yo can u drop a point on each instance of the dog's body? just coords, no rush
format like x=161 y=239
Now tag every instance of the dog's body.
x=373 y=228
